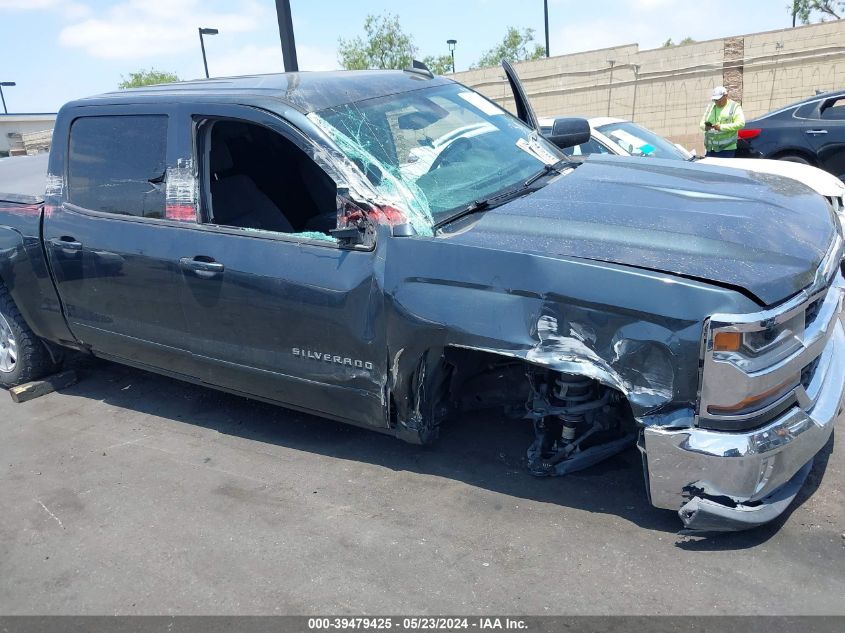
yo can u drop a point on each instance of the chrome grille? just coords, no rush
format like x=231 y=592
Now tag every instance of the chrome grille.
x=808 y=372
x=812 y=310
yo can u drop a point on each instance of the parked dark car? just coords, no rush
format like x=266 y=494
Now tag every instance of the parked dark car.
x=260 y=235
x=811 y=132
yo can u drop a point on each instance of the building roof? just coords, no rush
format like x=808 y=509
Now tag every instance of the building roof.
x=304 y=91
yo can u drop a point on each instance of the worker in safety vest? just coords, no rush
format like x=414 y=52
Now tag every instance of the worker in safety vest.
x=720 y=123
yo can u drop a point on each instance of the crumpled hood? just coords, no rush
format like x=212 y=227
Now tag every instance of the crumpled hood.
x=759 y=232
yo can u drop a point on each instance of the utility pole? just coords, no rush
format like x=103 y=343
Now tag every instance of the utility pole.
x=286 y=35
x=546 y=16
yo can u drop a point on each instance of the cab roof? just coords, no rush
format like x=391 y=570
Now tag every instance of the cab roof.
x=304 y=91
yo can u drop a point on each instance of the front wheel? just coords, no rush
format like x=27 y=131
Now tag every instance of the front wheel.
x=23 y=357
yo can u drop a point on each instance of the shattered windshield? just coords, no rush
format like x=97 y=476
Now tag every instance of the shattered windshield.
x=639 y=141
x=436 y=150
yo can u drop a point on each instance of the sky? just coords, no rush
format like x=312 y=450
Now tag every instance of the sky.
x=58 y=50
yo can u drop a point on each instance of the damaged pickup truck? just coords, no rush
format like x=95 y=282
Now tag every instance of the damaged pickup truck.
x=266 y=236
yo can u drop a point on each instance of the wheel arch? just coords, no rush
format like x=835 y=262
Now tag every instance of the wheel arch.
x=795 y=151
x=451 y=377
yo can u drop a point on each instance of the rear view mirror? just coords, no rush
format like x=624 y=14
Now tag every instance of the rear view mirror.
x=428 y=113
x=416 y=120
x=569 y=132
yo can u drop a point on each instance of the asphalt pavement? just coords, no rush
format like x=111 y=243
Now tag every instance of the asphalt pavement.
x=130 y=493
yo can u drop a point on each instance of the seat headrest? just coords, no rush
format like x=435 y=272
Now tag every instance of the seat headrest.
x=221 y=158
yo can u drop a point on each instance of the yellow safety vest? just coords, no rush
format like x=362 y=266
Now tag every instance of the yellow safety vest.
x=730 y=118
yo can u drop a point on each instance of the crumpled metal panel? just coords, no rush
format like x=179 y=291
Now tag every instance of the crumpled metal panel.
x=643 y=339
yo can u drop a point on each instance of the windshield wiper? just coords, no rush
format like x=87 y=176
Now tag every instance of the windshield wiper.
x=547 y=169
x=472 y=207
x=486 y=203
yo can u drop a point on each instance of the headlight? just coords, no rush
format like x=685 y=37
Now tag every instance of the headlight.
x=752 y=348
x=755 y=349
x=753 y=363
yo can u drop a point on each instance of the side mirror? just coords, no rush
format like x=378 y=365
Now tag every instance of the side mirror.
x=569 y=132
x=349 y=235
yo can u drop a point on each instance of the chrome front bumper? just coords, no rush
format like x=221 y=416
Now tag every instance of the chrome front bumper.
x=720 y=481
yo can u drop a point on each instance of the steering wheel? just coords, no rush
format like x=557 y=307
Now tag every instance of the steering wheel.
x=448 y=155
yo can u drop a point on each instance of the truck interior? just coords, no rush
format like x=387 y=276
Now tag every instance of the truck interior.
x=258 y=179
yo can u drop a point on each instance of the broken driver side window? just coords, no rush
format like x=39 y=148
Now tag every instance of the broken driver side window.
x=259 y=180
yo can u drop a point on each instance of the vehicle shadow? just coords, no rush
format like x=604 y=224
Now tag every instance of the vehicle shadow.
x=483 y=449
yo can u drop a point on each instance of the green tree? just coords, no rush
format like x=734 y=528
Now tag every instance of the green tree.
x=147 y=78
x=806 y=10
x=517 y=46
x=384 y=45
x=669 y=43
x=439 y=65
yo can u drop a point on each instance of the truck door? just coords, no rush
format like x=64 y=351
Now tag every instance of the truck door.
x=524 y=110
x=276 y=308
x=112 y=248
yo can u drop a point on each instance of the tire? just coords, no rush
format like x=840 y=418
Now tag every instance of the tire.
x=794 y=158
x=23 y=356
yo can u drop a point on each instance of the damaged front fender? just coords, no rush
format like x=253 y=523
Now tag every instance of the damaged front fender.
x=634 y=331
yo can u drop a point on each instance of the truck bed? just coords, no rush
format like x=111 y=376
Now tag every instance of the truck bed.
x=23 y=178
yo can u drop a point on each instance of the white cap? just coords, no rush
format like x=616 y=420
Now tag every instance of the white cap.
x=719 y=92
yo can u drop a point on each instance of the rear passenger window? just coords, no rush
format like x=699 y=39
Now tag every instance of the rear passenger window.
x=807 y=111
x=117 y=164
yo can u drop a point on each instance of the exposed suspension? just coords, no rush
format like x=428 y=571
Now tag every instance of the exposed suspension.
x=574 y=417
x=571 y=392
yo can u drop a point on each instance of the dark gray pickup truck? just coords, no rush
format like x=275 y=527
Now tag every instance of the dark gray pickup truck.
x=386 y=248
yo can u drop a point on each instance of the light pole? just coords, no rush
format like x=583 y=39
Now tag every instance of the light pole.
x=285 y=18
x=202 y=32
x=546 y=16
x=2 y=98
x=636 y=68
x=612 y=63
x=451 y=44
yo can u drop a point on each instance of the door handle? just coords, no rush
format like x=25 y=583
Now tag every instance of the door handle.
x=814 y=132
x=66 y=243
x=202 y=265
